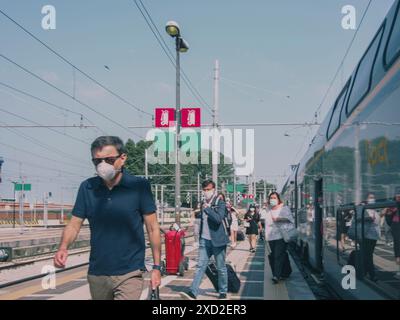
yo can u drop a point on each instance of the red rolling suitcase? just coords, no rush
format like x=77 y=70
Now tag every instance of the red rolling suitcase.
x=175 y=262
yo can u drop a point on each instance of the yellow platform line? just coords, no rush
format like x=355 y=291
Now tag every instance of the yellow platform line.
x=38 y=287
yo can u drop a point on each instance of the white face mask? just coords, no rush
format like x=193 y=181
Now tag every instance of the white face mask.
x=208 y=194
x=273 y=202
x=371 y=201
x=106 y=171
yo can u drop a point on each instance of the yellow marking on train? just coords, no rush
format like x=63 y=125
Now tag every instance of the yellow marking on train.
x=37 y=288
x=378 y=152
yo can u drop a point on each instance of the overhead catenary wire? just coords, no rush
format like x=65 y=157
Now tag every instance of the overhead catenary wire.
x=153 y=28
x=242 y=84
x=38 y=124
x=43 y=157
x=343 y=59
x=69 y=95
x=50 y=104
x=340 y=67
x=171 y=55
x=43 y=145
x=59 y=55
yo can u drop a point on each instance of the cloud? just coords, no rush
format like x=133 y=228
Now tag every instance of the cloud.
x=50 y=76
x=92 y=92
x=165 y=88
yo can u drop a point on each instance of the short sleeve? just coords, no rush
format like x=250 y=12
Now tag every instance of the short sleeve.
x=79 y=209
x=147 y=204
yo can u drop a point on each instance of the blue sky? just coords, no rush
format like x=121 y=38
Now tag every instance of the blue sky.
x=267 y=50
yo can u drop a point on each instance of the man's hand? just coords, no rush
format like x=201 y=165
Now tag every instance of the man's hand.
x=60 y=258
x=69 y=235
x=206 y=205
x=155 y=279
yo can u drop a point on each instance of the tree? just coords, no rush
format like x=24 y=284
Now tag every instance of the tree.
x=165 y=173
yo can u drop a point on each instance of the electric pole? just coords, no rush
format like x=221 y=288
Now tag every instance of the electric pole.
x=215 y=156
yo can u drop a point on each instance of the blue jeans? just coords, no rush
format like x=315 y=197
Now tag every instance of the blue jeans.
x=206 y=250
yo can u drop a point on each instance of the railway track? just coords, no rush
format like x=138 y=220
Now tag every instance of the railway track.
x=38 y=276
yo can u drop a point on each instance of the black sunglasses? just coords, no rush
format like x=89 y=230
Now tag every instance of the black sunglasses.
x=109 y=160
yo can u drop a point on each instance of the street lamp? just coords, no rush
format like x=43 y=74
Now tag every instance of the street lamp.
x=172 y=28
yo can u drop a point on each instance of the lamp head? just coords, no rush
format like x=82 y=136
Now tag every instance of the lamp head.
x=172 y=28
x=183 y=45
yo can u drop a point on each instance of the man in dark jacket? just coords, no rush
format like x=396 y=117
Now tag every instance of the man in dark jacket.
x=213 y=241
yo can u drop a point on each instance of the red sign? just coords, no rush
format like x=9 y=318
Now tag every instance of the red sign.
x=165 y=117
x=190 y=117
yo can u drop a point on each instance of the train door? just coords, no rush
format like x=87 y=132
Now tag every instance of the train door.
x=318 y=225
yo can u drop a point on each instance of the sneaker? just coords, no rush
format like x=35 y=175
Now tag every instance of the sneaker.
x=275 y=280
x=222 y=296
x=253 y=250
x=187 y=295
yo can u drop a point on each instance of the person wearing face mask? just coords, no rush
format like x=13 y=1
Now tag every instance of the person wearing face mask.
x=278 y=216
x=214 y=239
x=392 y=217
x=116 y=205
x=196 y=224
x=372 y=235
x=252 y=217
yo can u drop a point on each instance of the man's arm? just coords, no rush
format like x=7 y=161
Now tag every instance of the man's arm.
x=153 y=230
x=217 y=214
x=70 y=233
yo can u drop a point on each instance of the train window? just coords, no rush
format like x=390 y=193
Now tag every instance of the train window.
x=392 y=50
x=335 y=118
x=362 y=81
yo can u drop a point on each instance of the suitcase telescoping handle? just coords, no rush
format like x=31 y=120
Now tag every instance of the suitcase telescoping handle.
x=155 y=294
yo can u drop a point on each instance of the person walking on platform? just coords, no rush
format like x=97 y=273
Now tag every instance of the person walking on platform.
x=214 y=238
x=263 y=215
x=278 y=217
x=234 y=225
x=252 y=219
x=116 y=205
x=196 y=219
x=392 y=216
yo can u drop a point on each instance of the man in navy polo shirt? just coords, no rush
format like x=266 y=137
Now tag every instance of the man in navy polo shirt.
x=116 y=205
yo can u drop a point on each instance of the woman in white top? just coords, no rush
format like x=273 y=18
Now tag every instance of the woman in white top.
x=278 y=217
x=234 y=226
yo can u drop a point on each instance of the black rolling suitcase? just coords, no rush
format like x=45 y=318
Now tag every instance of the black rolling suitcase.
x=233 y=279
x=287 y=269
x=240 y=236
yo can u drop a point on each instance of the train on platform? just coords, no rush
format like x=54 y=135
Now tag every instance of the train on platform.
x=355 y=152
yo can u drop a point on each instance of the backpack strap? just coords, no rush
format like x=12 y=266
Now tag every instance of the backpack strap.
x=215 y=201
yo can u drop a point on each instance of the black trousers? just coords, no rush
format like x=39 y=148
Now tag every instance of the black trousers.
x=395 y=228
x=278 y=258
x=369 y=247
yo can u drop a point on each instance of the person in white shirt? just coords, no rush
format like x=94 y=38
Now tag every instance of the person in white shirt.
x=234 y=225
x=278 y=217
